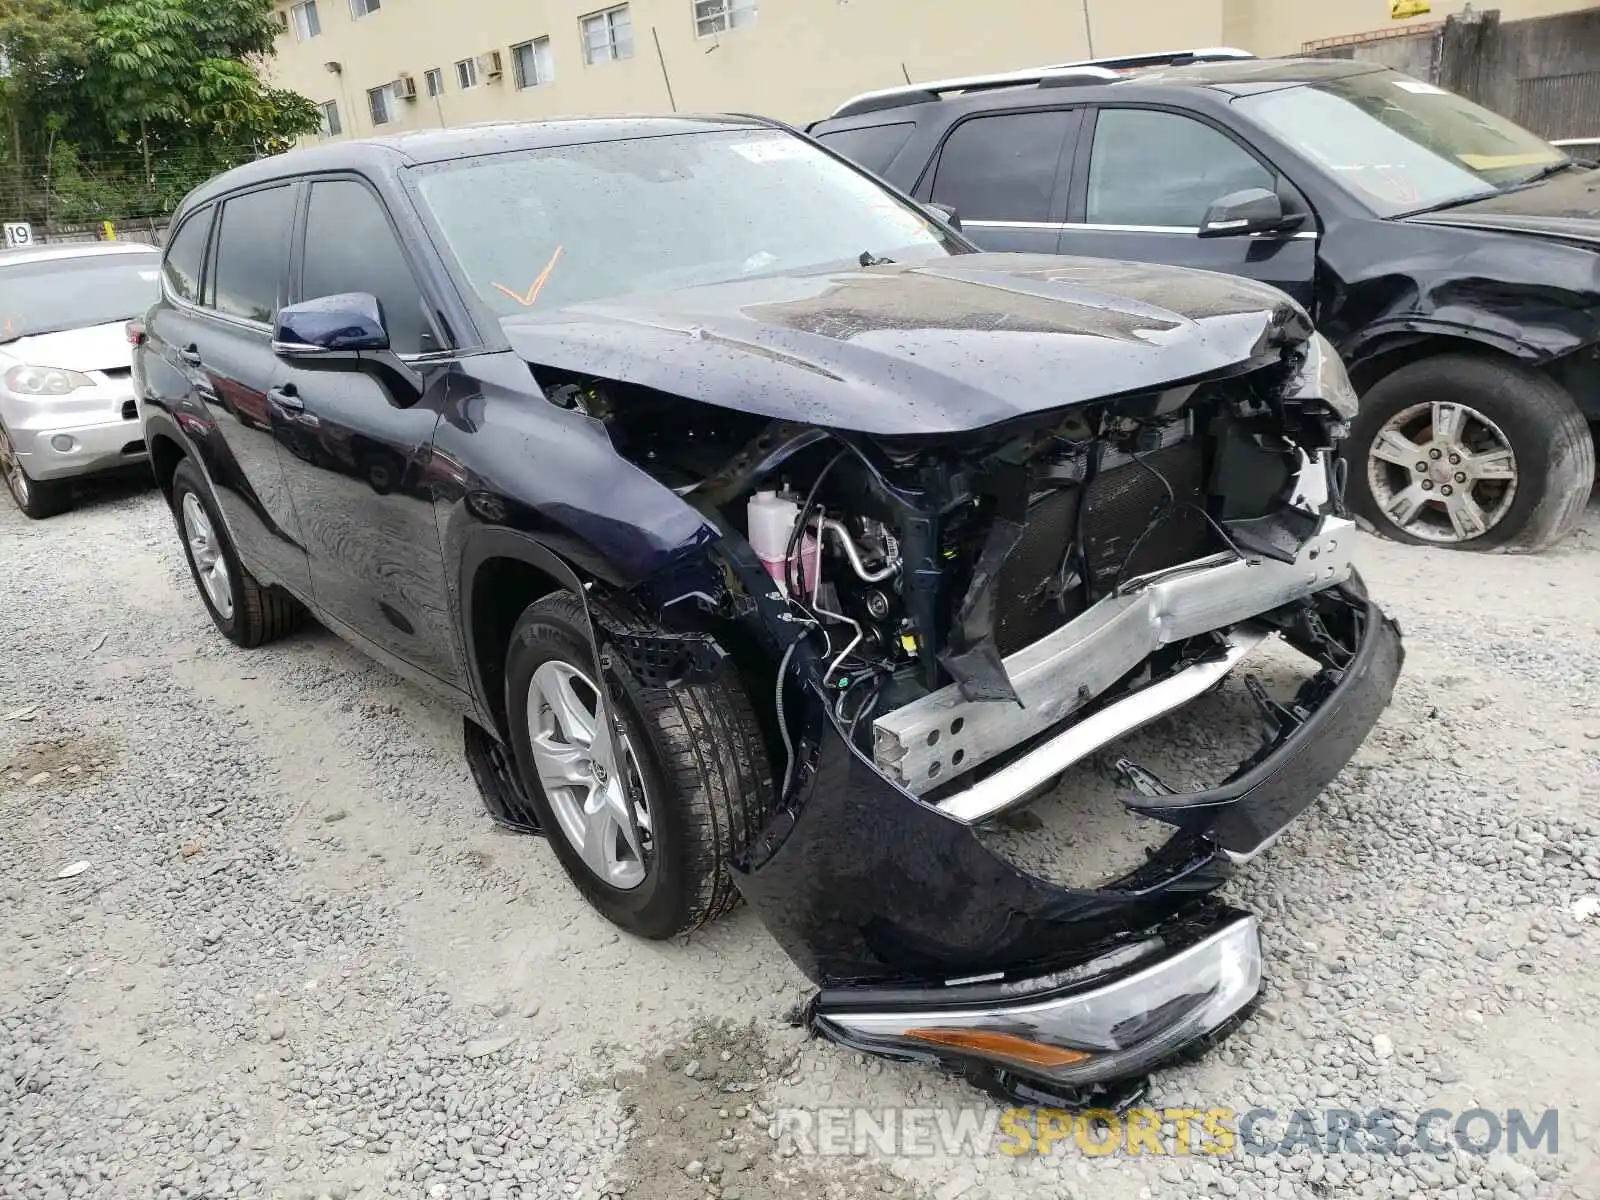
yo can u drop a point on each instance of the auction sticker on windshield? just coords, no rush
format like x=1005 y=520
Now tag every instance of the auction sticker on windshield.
x=770 y=149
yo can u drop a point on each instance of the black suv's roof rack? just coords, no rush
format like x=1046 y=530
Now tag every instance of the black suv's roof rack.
x=1090 y=70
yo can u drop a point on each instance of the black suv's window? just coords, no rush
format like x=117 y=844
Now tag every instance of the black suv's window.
x=1163 y=169
x=873 y=146
x=186 y=252
x=1002 y=168
x=351 y=247
x=249 y=258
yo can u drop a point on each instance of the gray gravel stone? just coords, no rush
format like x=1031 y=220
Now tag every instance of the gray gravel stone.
x=241 y=998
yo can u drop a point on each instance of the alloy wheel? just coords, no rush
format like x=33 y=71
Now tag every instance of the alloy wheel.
x=210 y=564
x=16 y=478
x=590 y=775
x=1442 y=472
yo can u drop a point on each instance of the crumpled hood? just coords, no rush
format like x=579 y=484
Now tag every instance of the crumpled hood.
x=94 y=348
x=955 y=345
x=1565 y=206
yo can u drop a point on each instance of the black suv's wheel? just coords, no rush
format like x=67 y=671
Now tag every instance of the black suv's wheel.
x=1470 y=454
x=645 y=814
x=248 y=614
x=37 y=498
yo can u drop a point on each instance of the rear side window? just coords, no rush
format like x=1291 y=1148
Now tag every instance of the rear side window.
x=186 y=251
x=250 y=253
x=873 y=146
x=351 y=247
x=1162 y=169
x=1002 y=168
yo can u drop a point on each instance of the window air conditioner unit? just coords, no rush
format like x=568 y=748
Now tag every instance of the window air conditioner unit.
x=490 y=66
x=405 y=87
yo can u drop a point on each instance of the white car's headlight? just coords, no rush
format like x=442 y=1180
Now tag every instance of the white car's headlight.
x=1325 y=377
x=45 y=381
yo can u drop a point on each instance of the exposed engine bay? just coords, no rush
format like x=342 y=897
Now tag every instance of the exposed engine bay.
x=918 y=567
x=934 y=627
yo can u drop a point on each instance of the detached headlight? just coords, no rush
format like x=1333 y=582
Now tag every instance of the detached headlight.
x=1325 y=378
x=1074 y=1034
x=45 y=381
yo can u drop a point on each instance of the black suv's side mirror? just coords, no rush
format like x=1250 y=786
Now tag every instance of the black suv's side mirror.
x=946 y=214
x=330 y=326
x=1253 y=210
x=345 y=333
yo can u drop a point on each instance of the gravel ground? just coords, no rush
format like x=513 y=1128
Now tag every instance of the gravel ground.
x=259 y=939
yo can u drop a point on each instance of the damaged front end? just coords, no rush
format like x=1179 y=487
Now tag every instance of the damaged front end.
x=937 y=628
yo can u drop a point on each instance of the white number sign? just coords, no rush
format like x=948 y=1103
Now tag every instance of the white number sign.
x=18 y=233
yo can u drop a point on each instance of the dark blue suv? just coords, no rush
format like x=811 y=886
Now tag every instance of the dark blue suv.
x=770 y=538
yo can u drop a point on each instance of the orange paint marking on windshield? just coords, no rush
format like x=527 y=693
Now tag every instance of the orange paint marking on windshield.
x=532 y=297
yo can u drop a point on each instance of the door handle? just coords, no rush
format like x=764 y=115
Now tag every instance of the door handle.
x=190 y=354
x=286 y=397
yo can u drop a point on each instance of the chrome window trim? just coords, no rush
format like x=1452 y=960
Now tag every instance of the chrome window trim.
x=1014 y=224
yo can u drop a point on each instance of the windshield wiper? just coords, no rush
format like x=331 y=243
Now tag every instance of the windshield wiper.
x=869 y=259
x=1543 y=173
x=1453 y=202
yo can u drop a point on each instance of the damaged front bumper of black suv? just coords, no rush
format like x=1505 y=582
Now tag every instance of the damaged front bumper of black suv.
x=928 y=945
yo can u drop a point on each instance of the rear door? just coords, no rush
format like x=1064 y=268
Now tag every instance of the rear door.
x=1142 y=181
x=224 y=278
x=356 y=454
x=1005 y=174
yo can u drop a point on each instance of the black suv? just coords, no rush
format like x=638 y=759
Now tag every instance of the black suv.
x=770 y=537
x=1449 y=255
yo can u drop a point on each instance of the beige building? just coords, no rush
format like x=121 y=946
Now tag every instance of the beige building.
x=383 y=65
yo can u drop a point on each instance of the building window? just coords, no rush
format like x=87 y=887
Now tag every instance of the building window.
x=305 y=20
x=380 y=100
x=607 y=35
x=719 y=16
x=467 y=73
x=331 y=125
x=362 y=8
x=533 y=63
x=435 y=81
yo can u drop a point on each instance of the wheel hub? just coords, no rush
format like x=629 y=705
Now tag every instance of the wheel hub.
x=590 y=775
x=11 y=467
x=1442 y=472
x=210 y=564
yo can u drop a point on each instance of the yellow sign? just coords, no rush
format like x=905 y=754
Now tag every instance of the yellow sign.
x=1399 y=10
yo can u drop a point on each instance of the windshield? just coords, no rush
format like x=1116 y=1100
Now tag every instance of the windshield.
x=49 y=295
x=568 y=224
x=1402 y=145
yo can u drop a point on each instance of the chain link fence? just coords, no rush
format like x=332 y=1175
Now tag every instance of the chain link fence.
x=150 y=230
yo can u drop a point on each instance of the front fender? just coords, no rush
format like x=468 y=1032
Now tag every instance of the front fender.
x=479 y=546
x=1371 y=343
x=1386 y=283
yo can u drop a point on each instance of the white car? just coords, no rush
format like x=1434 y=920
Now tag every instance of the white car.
x=67 y=403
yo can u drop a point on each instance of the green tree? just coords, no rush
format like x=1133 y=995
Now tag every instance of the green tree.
x=129 y=103
x=41 y=47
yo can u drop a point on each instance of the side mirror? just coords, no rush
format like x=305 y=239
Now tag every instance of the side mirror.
x=330 y=327
x=346 y=333
x=1253 y=210
x=946 y=214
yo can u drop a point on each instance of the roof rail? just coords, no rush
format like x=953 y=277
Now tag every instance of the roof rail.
x=1093 y=70
x=1168 y=58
